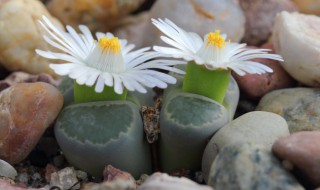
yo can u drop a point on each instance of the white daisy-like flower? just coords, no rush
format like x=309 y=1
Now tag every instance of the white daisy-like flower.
x=106 y=61
x=213 y=51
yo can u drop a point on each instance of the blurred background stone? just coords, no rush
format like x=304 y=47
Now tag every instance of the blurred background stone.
x=308 y=6
x=21 y=34
x=200 y=16
x=98 y=15
x=260 y=16
x=296 y=38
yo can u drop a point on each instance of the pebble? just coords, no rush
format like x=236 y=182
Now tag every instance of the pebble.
x=260 y=16
x=254 y=127
x=162 y=181
x=48 y=171
x=254 y=86
x=294 y=35
x=6 y=170
x=98 y=15
x=203 y=17
x=302 y=150
x=299 y=106
x=27 y=110
x=65 y=179
x=308 y=6
x=249 y=166
x=111 y=173
x=21 y=34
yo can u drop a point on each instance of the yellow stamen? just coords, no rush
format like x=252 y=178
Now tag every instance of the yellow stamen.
x=216 y=39
x=111 y=44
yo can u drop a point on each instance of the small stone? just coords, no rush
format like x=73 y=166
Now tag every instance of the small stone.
x=162 y=181
x=21 y=34
x=249 y=166
x=296 y=38
x=98 y=15
x=260 y=16
x=308 y=6
x=300 y=107
x=302 y=150
x=59 y=161
x=6 y=170
x=81 y=175
x=65 y=179
x=202 y=17
x=27 y=110
x=255 y=86
x=111 y=173
x=49 y=170
x=262 y=128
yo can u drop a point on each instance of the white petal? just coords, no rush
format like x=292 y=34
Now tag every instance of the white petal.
x=99 y=85
x=118 y=88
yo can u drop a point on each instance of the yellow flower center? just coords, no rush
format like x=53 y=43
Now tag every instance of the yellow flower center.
x=216 y=39
x=111 y=44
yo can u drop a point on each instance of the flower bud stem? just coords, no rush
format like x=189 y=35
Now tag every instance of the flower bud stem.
x=210 y=83
x=83 y=93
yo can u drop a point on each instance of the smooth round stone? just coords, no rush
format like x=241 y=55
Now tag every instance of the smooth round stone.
x=257 y=127
x=249 y=166
x=203 y=17
x=308 y=6
x=296 y=38
x=254 y=86
x=260 y=16
x=302 y=150
x=6 y=170
x=98 y=15
x=299 y=106
x=162 y=181
x=21 y=34
x=26 y=111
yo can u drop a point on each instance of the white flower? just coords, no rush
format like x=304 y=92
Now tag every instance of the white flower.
x=213 y=52
x=105 y=61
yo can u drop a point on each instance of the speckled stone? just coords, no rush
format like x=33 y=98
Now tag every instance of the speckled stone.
x=21 y=34
x=249 y=166
x=296 y=38
x=26 y=111
x=98 y=15
x=302 y=151
x=254 y=86
x=262 y=128
x=299 y=106
x=260 y=16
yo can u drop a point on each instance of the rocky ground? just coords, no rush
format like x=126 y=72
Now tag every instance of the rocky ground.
x=272 y=142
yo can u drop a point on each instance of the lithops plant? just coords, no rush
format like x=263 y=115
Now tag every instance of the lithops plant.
x=190 y=117
x=101 y=127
